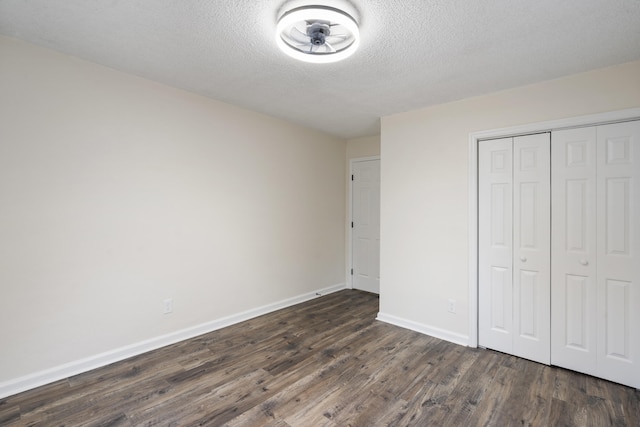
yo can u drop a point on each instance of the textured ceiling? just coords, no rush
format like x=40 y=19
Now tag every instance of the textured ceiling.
x=414 y=53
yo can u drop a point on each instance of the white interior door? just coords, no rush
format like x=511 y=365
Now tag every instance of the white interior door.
x=532 y=247
x=514 y=246
x=618 y=259
x=365 y=243
x=573 y=298
x=495 y=244
x=596 y=244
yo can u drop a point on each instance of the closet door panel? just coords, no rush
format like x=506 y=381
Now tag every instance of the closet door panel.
x=531 y=255
x=573 y=276
x=495 y=186
x=618 y=228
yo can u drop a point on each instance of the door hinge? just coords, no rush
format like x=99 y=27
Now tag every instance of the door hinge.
x=351 y=177
x=351 y=224
x=352 y=271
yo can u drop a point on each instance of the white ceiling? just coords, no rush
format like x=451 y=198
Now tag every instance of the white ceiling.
x=414 y=53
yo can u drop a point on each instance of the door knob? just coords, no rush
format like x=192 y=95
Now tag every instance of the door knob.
x=584 y=262
x=523 y=259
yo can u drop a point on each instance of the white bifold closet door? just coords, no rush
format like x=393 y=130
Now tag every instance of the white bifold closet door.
x=595 y=248
x=514 y=246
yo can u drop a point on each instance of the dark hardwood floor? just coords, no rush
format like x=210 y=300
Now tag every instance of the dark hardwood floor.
x=326 y=362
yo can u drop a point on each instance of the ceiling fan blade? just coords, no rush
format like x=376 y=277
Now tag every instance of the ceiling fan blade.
x=339 y=37
x=305 y=47
x=329 y=48
x=299 y=36
x=322 y=49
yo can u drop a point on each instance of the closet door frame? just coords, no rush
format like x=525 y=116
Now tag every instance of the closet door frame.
x=474 y=138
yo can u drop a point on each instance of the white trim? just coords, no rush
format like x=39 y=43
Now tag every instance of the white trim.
x=363 y=159
x=473 y=241
x=474 y=138
x=37 y=379
x=551 y=125
x=350 y=216
x=424 y=329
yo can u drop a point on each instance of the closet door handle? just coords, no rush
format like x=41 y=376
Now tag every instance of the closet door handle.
x=523 y=258
x=584 y=262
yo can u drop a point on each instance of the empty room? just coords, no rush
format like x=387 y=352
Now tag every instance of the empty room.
x=319 y=213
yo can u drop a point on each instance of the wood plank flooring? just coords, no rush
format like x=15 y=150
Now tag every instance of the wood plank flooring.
x=326 y=362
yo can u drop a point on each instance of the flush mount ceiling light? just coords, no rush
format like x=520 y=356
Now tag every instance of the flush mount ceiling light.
x=317 y=34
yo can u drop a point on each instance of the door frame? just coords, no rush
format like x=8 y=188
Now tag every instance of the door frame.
x=474 y=139
x=349 y=265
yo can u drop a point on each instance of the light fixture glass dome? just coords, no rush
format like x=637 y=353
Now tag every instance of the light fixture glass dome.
x=317 y=34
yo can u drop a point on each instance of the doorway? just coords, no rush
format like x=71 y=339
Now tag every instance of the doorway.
x=365 y=224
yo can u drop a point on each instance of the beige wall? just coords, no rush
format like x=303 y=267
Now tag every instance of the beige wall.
x=424 y=213
x=118 y=192
x=363 y=147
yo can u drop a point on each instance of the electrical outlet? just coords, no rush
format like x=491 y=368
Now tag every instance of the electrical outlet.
x=451 y=307
x=168 y=305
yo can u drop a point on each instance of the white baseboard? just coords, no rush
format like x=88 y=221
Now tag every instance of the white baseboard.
x=424 y=329
x=37 y=379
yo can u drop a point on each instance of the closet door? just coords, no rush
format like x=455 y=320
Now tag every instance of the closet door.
x=596 y=246
x=618 y=253
x=573 y=294
x=514 y=247
x=495 y=244
x=532 y=247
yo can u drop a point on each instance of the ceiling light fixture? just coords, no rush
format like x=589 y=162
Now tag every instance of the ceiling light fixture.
x=317 y=34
